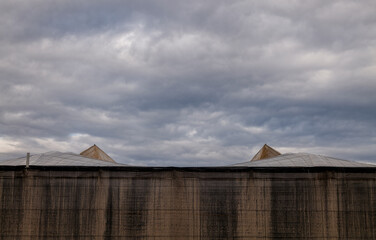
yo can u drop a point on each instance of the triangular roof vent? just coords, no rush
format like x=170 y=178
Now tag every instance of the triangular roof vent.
x=96 y=153
x=265 y=152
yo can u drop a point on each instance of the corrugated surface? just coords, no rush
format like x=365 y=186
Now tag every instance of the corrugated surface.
x=58 y=159
x=302 y=160
x=200 y=203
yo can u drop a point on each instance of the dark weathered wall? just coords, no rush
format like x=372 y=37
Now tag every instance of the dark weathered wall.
x=177 y=203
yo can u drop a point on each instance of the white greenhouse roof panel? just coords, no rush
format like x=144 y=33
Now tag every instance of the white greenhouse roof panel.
x=59 y=159
x=302 y=160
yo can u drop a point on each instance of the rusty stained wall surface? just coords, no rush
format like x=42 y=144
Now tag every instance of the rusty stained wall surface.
x=187 y=204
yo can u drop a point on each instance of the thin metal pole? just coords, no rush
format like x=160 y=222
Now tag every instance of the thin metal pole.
x=27 y=160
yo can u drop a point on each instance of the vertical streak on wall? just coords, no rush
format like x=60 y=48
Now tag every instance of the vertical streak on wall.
x=218 y=207
x=266 y=206
x=253 y=206
x=11 y=199
x=111 y=221
x=136 y=204
x=355 y=208
x=183 y=202
x=297 y=210
x=328 y=185
x=99 y=202
x=156 y=201
x=372 y=197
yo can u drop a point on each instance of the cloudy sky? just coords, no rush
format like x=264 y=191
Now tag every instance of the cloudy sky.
x=188 y=83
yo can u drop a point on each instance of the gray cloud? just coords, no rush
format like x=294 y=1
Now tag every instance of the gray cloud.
x=186 y=84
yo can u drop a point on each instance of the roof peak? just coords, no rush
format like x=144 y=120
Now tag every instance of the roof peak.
x=96 y=153
x=265 y=152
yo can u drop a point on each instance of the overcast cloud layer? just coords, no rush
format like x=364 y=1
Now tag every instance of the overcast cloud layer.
x=188 y=83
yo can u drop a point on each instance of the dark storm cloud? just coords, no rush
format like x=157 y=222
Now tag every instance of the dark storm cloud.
x=190 y=83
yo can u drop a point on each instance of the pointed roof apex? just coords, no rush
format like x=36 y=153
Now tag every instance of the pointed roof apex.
x=265 y=152
x=96 y=153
